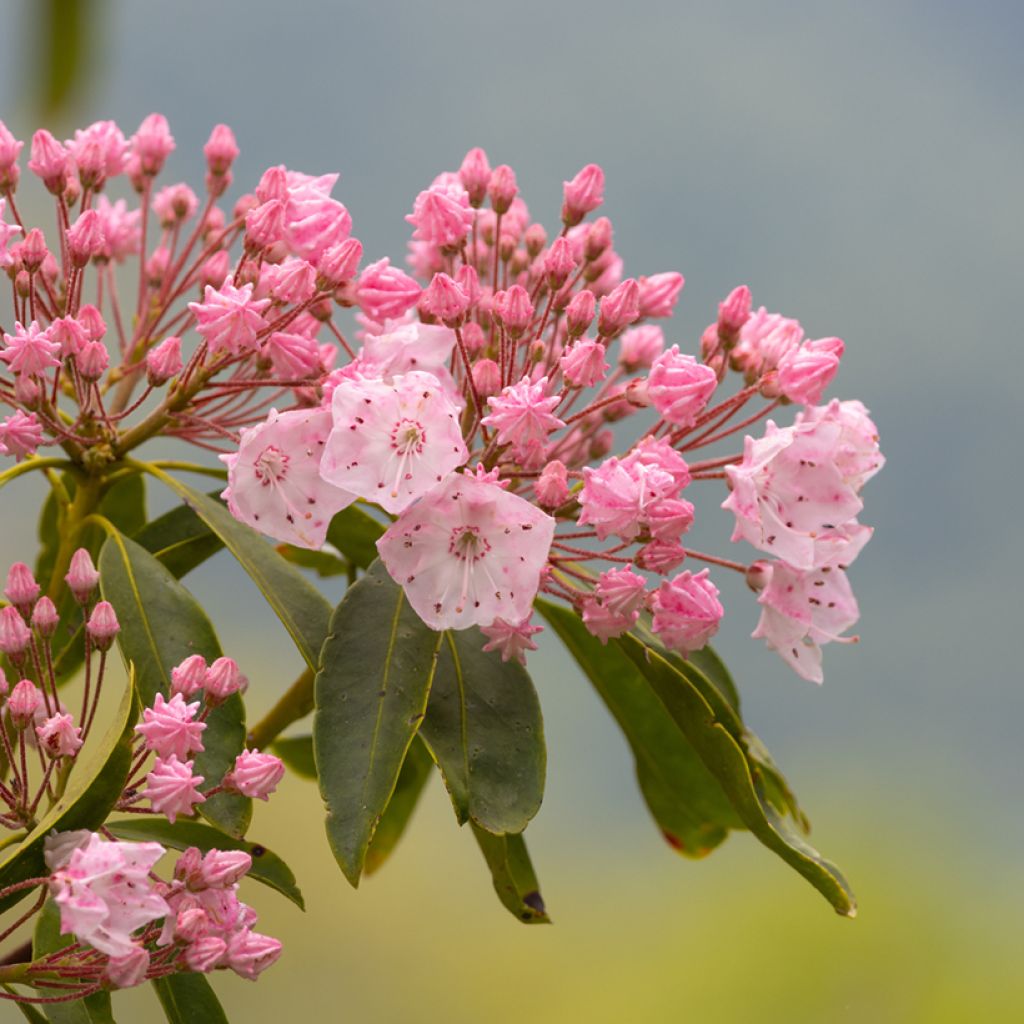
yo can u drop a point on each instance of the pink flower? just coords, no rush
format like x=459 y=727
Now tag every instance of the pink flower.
x=164 y=361
x=249 y=953
x=314 y=222
x=25 y=698
x=99 y=151
x=93 y=361
x=765 y=338
x=255 y=775
x=82 y=576
x=172 y=788
x=669 y=519
x=583 y=364
x=59 y=736
x=412 y=346
x=189 y=677
x=657 y=453
x=292 y=356
x=583 y=194
x=619 y=309
x=468 y=553
x=616 y=496
x=339 y=263
x=552 y=486
x=205 y=953
x=444 y=300
x=523 y=415
x=30 y=350
x=223 y=678
x=686 y=611
x=679 y=387
x=384 y=292
x=122 y=235
x=175 y=204
x=502 y=188
x=21 y=434
x=169 y=727
x=105 y=894
x=856 y=454
x=49 y=161
x=442 y=215
x=15 y=636
x=274 y=481
x=559 y=263
x=805 y=372
x=230 y=318
x=513 y=640
x=475 y=175
x=85 y=238
x=44 y=618
x=265 y=225
x=390 y=443
x=734 y=311
x=102 y=625
x=486 y=377
x=21 y=589
x=152 y=144
x=293 y=280
x=220 y=150
x=659 y=294
x=579 y=314
x=802 y=610
x=615 y=605
x=129 y=970
x=661 y=556
x=10 y=148
x=640 y=346
x=221 y=868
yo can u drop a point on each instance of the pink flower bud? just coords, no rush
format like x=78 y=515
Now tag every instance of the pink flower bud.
x=21 y=433
x=102 y=626
x=85 y=238
x=734 y=312
x=92 y=322
x=273 y=185
x=128 y=970
x=93 y=360
x=660 y=556
x=805 y=372
x=265 y=225
x=486 y=377
x=583 y=363
x=579 y=314
x=69 y=334
x=23 y=703
x=49 y=161
x=444 y=300
x=552 y=486
x=224 y=678
x=21 y=589
x=10 y=148
x=686 y=611
x=469 y=281
x=619 y=309
x=473 y=337
x=384 y=292
x=640 y=346
x=189 y=867
x=222 y=868
x=598 y=240
x=535 y=239
x=220 y=150
x=475 y=175
x=679 y=387
x=169 y=727
x=59 y=736
x=583 y=194
x=172 y=788
x=3 y=678
x=205 y=953
x=190 y=676
x=514 y=309
x=33 y=250
x=340 y=263
x=44 y=618
x=758 y=575
x=152 y=144
x=250 y=953
x=157 y=266
x=559 y=263
x=82 y=576
x=659 y=294
x=15 y=636
x=255 y=775
x=164 y=361
x=214 y=271
x=501 y=188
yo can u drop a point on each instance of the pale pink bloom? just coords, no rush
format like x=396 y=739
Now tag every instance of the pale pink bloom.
x=44 y=618
x=444 y=300
x=802 y=610
x=615 y=605
x=169 y=727
x=172 y=788
x=220 y=150
x=92 y=321
x=657 y=453
x=122 y=234
x=59 y=736
x=314 y=222
x=856 y=454
x=669 y=518
x=292 y=281
x=552 y=486
x=486 y=377
x=21 y=434
x=249 y=953
x=85 y=238
x=514 y=309
x=175 y=204
x=274 y=481
x=679 y=387
x=558 y=263
x=82 y=576
x=475 y=175
x=15 y=636
x=468 y=553
x=616 y=496
x=99 y=151
x=513 y=640
x=223 y=678
x=442 y=215
x=583 y=194
x=221 y=868
x=292 y=355
x=579 y=314
x=424 y=259
x=805 y=372
x=411 y=346
x=523 y=415
x=340 y=262
x=384 y=292
x=102 y=625
x=69 y=334
x=265 y=225
x=189 y=677
x=93 y=361
x=502 y=188
x=640 y=346
x=7 y=232
x=686 y=611
x=214 y=272
x=765 y=338
x=584 y=364
x=392 y=442
x=21 y=588
x=230 y=318
x=790 y=498
x=10 y=148
x=659 y=293
x=152 y=144
x=255 y=775
x=25 y=698
x=619 y=308
x=128 y=970
x=164 y=361
x=661 y=556
x=105 y=894
x=30 y=350
x=734 y=311
x=49 y=161
x=205 y=953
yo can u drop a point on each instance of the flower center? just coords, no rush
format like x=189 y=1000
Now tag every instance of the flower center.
x=271 y=466
x=467 y=545
x=408 y=437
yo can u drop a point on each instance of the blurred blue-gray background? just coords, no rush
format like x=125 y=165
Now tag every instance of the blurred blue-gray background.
x=859 y=166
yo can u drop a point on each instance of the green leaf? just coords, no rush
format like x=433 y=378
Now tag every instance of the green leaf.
x=371 y=693
x=94 y=788
x=189 y=999
x=161 y=625
x=512 y=873
x=179 y=539
x=323 y=563
x=687 y=802
x=267 y=867
x=686 y=701
x=354 y=533
x=28 y=1011
x=302 y=609
x=416 y=769
x=483 y=727
x=297 y=754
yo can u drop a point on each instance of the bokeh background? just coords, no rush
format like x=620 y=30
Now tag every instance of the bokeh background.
x=858 y=164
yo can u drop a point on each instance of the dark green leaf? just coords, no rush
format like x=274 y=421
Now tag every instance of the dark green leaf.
x=302 y=609
x=483 y=726
x=189 y=999
x=297 y=753
x=687 y=802
x=179 y=539
x=371 y=693
x=412 y=778
x=720 y=751
x=324 y=564
x=94 y=787
x=512 y=873
x=161 y=625
x=354 y=533
x=267 y=867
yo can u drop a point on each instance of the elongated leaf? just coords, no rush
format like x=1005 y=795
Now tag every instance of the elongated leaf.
x=323 y=563
x=94 y=787
x=302 y=609
x=354 y=533
x=483 y=727
x=28 y=1011
x=189 y=999
x=412 y=778
x=513 y=876
x=371 y=693
x=725 y=758
x=687 y=802
x=161 y=625
x=179 y=539
x=297 y=753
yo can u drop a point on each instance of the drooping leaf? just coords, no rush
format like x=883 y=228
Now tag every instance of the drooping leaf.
x=483 y=727
x=323 y=563
x=161 y=625
x=302 y=609
x=412 y=778
x=93 y=788
x=189 y=999
x=297 y=753
x=371 y=693
x=687 y=802
x=721 y=752
x=513 y=876
x=267 y=867
x=354 y=533
x=179 y=539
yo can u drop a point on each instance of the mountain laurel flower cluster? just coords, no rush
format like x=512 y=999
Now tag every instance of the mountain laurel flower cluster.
x=506 y=424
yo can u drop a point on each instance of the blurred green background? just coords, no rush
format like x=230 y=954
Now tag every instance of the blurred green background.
x=859 y=166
